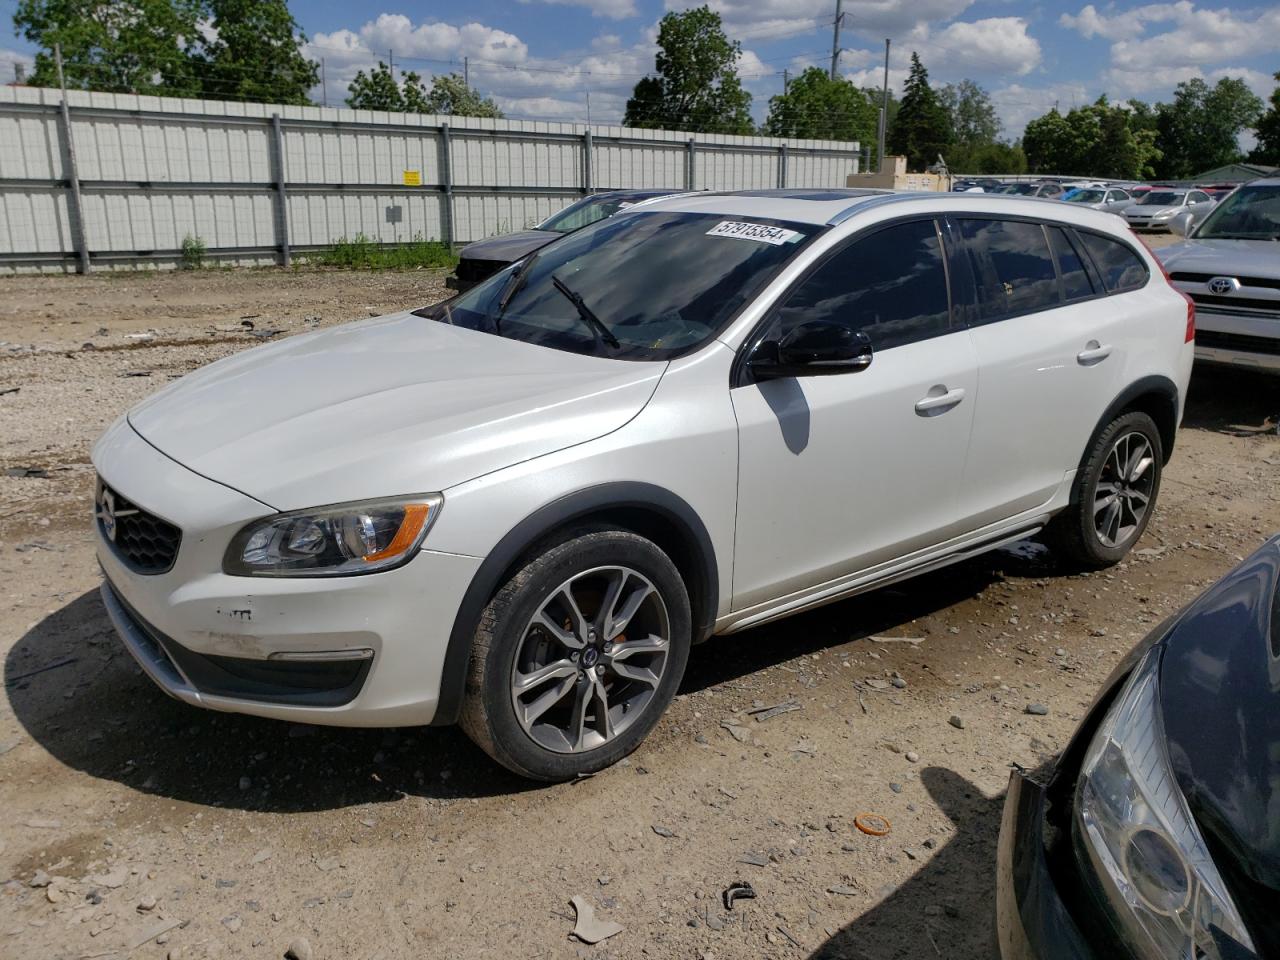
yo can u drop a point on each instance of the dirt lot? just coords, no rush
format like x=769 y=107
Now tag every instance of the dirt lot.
x=123 y=813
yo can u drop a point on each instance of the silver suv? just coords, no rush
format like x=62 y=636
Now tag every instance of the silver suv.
x=1230 y=266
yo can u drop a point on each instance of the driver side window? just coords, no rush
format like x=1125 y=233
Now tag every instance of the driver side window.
x=890 y=285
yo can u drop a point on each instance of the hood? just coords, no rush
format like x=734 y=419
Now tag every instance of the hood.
x=1220 y=700
x=1229 y=258
x=1145 y=210
x=385 y=407
x=510 y=247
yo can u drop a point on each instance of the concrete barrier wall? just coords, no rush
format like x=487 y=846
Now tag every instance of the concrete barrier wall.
x=259 y=182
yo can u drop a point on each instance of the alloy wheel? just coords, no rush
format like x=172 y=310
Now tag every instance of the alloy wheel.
x=590 y=659
x=1124 y=489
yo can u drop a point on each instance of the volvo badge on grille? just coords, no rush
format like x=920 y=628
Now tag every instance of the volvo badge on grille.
x=108 y=514
x=1221 y=285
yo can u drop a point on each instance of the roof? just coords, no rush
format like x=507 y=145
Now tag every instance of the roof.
x=1238 y=172
x=837 y=206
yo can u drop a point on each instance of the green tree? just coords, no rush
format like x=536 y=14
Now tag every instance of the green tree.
x=1268 y=130
x=378 y=90
x=119 y=46
x=816 y=107
x=973 y=116
x=1201 y=128
x=450 y=94
x=995 y=158
x=696 y=86
x=1096 y=140
x=253 y=52
x=921 y=131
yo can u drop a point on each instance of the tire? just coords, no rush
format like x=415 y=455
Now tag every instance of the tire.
x=628 y=679
x=1091 y=545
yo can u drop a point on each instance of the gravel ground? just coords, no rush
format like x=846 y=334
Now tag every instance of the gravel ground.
x=134 y=826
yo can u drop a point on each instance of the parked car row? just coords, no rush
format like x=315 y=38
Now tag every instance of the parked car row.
x=700 y=413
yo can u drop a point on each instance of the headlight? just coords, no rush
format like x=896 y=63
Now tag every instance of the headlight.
x=1155 y=870
x=345 y=539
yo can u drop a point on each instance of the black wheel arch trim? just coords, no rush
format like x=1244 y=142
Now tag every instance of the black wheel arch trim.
x=488 y=579
x=1143 y=386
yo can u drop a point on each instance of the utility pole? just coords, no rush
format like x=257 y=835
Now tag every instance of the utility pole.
x=324 y=84
x=73 y=177
x=588 y=108
x=835 y=39
x=884 y=110
x=786 y=81
x=391 y=64
x=466 y=72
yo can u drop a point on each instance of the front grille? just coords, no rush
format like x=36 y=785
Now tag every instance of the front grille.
x=1271 y=283
x=1238 y=341
x=472 y=270
x=1247 y=303
x=145 y=543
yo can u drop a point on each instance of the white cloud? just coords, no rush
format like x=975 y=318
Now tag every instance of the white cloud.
x=751 y=19
x=1089 y=23
x=10 y=60
x=1017 y=104
x=996 y=45
x=613 y=9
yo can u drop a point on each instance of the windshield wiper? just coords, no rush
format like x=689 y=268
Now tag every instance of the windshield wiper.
x=589 y=318
x=515 y=283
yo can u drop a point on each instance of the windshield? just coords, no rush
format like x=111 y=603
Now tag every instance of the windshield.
x=584 y=213
x=1163 y=198
x=1021 y=189
x=660 y=283
x=1251 y=213
x=1084 y=196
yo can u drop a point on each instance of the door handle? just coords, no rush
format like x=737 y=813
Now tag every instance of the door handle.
x=1093 y=352
x=939 y=400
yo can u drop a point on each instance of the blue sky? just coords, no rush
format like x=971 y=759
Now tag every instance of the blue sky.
x=549 y=58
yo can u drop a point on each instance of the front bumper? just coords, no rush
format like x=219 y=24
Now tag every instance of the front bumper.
x=1032 y=920
x=228 y=633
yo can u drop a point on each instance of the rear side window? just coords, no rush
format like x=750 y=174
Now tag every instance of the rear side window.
x=1120 y=266
x=890 y=285
x=1075 y=279
x=1013 y=267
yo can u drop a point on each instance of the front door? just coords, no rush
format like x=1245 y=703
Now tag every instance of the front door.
x=839 y=473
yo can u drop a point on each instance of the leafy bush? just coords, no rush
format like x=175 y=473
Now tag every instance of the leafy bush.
x=193 y=252
x=364 y=253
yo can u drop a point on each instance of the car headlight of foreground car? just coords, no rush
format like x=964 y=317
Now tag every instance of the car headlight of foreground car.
x=340 y=540
x=1156 y=874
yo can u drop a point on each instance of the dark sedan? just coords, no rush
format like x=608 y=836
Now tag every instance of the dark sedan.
x=1158 y=833
x=482 y=259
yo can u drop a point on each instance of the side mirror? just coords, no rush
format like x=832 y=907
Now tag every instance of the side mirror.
x=1182 y=223
x=814 y=349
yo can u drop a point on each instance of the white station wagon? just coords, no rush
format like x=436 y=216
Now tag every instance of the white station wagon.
x=520 y=508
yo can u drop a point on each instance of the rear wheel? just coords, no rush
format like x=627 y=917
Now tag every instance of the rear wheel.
x=1114 y=494
x=578 y=656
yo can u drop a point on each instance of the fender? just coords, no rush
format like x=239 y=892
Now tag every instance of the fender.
x=1144 y=385
x=701 y=569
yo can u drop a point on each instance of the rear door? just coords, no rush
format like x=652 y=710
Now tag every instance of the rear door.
x=1049 y=362
x=840 y=473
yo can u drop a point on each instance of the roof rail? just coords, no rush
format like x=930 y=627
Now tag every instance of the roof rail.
x=866 y=203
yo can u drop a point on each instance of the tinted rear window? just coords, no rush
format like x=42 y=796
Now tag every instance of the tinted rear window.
x=1121 y=268
x=1075 y=279
x=1013 y=267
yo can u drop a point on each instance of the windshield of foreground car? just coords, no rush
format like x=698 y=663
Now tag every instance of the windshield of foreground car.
x=1251 y=213
x=661 y=283
x=1084 y=196
x=1163 y=199
x=583 y=213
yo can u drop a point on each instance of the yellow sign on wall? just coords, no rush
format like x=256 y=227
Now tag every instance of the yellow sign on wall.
x=413 y=178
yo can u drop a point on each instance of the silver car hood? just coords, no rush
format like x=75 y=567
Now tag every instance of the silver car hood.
x=1227 y=258
x=1148 y=210
x=385 y=407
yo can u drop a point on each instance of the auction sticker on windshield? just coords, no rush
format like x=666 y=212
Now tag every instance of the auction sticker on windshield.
x=761 y=233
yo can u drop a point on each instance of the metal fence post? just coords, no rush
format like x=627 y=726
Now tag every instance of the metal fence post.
x=782 y=166
x=76 y=207
x=282 y=202
x=688 y=165
x=446 y=184
x=586 y=160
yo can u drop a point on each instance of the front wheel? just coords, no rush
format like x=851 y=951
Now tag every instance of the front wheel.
x=578 y=656
x=1114 y=493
